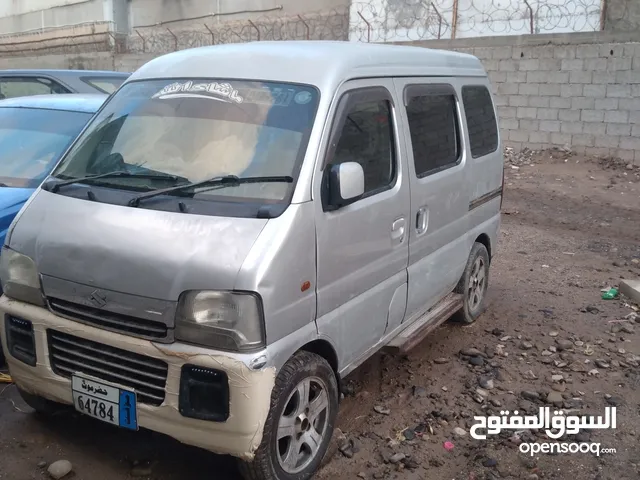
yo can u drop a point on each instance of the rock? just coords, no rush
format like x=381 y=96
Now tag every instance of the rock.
x=60 y=469
x=627 y=329
x=546 y=353
x=42 y=464
x=526 y=345
x=397 y=458
x=592 y=309
x=564 y=344
x=470 y=352
x=444 y=389
x=409 y=434
x=531 y=396
x=556 y=378
x=478 y=361
x=490 y=462
x=490 y=351
x=601 y=364
x=498 y=332
x=495 y=402
x=555 y=398
x=362 y=475
x=482 y=392
x=533 y=476
x=629 y=166
x=553 y=333
x=419 y=391
x=593 y=372
x=459 y=432
x=441 y=360
x=486 y=382
x=553 y=349
x=615 y=401
x=381 y=410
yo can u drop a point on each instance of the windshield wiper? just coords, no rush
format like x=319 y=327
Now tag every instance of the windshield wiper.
x=53 y=186
x=226 y=181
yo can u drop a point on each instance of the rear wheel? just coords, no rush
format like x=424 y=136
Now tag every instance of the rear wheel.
x=304 y=407
x=473 y=284
x=41 y=405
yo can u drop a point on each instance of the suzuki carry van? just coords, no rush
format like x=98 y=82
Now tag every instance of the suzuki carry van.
x=239 y=227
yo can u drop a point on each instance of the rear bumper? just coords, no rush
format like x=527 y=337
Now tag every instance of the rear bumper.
x=249 y=390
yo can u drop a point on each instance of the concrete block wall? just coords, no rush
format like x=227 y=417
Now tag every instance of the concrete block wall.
x=576 y=90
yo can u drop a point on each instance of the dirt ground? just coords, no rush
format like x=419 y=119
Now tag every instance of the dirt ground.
x=571 y=227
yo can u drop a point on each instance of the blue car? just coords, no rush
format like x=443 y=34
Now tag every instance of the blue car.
x=34 y=132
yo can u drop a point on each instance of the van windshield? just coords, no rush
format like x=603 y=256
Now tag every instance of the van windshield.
x=196 y=130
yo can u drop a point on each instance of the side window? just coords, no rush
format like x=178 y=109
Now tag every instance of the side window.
x=434 y=128
x=25 y=86
x=367 y=138
x=481 y=120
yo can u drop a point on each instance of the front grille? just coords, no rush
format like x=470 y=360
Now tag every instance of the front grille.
x=20 y=340
x=147 y=376
x=116 y=322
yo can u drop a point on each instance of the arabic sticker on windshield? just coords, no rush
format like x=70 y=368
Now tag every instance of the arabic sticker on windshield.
x=210 y=90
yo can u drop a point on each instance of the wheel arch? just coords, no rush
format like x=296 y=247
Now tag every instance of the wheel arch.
x=484 y=239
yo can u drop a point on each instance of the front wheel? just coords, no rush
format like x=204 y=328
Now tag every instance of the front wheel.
x=473 y=284
x=41 y=405
x=298 y=429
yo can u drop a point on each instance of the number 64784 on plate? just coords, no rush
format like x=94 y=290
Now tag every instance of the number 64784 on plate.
x=105 y=401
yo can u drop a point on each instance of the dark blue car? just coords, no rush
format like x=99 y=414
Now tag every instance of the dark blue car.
x=34 y=132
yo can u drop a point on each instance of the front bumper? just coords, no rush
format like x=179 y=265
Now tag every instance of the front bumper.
x=249 y=390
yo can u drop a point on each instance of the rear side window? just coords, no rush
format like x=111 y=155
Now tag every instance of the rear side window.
x=104 y=84
x=11 y=87
x=434 y=128
x=481 y=120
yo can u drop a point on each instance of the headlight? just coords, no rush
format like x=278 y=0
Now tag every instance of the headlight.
x=224 y=320
x=20 y=278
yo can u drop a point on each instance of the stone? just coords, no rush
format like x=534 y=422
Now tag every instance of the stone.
x=546 y=353
x=615 y=401
x=531 y=396
x=495 y=402
x=459 y=432
x=553 y=333
x=601 y=364
x=397 y=458
x=419 y=391
x=564 y=344
x=555 y=398
x=482 y=392
x=627 y=329
x=490 y=462
x=559 y=387
x=526 y=345
x=60 y=469
x=441 y=360
x=362 y=475
x=486 y=383
x=470 y=352
x=532 y=476
x=42 y=464
x=556 y=378
x=477 y=361
x=381 y=410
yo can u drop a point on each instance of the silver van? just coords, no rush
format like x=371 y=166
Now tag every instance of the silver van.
x=241 y=226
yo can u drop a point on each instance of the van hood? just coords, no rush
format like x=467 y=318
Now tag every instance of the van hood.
x=136 y=251
x=11 y=201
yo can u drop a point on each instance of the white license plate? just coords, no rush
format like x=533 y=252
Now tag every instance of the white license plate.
x=105 y=401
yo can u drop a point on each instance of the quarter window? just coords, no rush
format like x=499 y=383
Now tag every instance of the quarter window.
x=481 y=120
x=24 y=87
x=367 y=138
x=433 y=125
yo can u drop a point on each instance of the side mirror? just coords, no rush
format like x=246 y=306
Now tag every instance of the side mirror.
x=346 y=183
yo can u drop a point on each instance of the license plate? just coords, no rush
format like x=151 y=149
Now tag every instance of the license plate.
x=105 y=401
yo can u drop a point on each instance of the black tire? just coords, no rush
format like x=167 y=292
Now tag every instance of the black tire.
x=266 y=464
x=470 y=312
x=41 y=405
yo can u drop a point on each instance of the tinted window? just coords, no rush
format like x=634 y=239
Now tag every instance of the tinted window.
x=104 y=84
x=366 y=138
x=32 y=140
x=433 y=124
x=481 y=120
x=24 y=87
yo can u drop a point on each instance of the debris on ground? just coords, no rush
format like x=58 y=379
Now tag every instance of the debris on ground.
x=60 y=469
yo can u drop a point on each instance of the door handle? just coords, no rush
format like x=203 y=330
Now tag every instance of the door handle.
x=422 y=220
x=398 y=230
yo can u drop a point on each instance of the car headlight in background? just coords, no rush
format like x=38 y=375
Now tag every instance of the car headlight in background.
x=20 y=279
x=224 y=320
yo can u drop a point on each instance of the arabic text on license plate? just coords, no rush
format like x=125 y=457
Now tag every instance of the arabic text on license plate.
x=105 y=402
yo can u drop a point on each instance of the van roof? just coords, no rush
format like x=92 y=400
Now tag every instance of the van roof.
x=325 y=64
